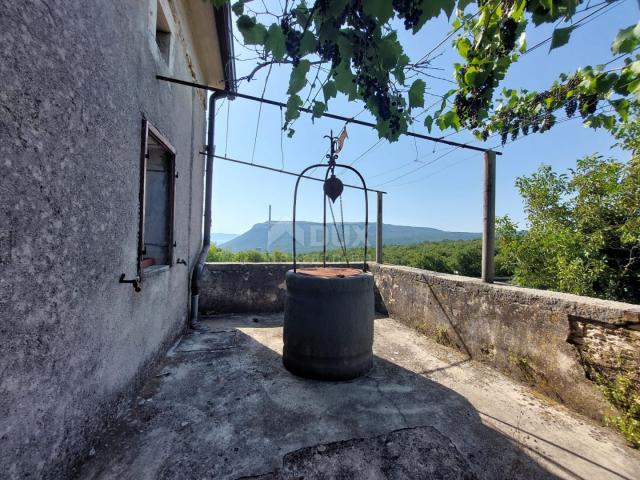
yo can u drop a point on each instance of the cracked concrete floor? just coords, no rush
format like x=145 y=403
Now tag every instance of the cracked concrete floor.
x=222 y=406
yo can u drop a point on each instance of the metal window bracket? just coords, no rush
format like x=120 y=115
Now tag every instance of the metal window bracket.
x=135 y=282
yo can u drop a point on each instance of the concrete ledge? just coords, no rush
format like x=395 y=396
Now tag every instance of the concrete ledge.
x=549 y=340
x=605 y=311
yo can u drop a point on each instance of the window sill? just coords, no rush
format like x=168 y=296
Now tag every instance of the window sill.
x=155 y=269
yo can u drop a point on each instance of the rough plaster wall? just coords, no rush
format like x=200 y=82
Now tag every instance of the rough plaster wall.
x=546 y=339
x=77 y=77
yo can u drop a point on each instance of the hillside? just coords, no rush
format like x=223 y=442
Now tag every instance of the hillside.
x=309 y=236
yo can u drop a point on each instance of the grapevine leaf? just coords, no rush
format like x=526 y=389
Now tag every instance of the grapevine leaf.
x=626 y=40
x=301 y=13
x=336 y=7
x=462 y=4
x=345 y=47
x=398 y=71
x=298 y=78
x=560 y=37
x=416 y=94
x=463 y=44
x=389 y=51
x=275 y=42
x=238 y=8
x=307 y=43
x=329 y=90
x=253 y=33
x=318 y=109
x=431 y=9
x=428 y=122
x=344 y=80
x=292 y=112
x=449 y=119
x=380 y=9
x=622 y=108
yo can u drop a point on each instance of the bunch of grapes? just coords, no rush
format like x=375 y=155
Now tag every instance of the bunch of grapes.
x=292 y=44
x=571 y=106
x=504 y=133
x=588 y=104
x=410 y=11
x=508 y=27
x=515 y=129
x=548 y=120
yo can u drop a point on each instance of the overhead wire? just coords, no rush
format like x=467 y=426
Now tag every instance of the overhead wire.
x=255 y=138
x=606 y=8
x=499 y=145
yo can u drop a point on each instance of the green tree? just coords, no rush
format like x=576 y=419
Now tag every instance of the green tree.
x=583 y=232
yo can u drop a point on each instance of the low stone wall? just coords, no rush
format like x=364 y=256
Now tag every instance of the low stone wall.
x=244 y=287
x=552 y=341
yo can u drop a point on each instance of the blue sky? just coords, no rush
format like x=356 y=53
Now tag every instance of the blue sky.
x=427 y=184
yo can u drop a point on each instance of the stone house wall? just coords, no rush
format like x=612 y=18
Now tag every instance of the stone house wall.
x=77 y=78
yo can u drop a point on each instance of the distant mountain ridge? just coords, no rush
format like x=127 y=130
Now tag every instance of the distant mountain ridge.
x=220 y=238
x=278 y=236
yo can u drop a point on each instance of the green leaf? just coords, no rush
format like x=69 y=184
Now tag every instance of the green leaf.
x=462 y=4
x=431 y=9
x=307 y=43
x=474 y=77
x=238 y=8
x=428 y=122
x=253 y=33
x=345 y=47
x=380 y=9
x=389 y=51
x=275 y=41
x=329 y=90
x=344 y=80
x=449 y=119
x=416 y=94
x=298 y=78
x=336 y=7
x=293 y=105
x=318 y=109
x=626 y=40
x=622 y=108
x=463 y=44
x=560 y=37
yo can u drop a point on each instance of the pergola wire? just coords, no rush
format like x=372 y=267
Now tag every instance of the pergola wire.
x=348 y=120
x=286 y=172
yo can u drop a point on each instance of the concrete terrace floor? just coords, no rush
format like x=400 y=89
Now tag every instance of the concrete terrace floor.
x=222 y=406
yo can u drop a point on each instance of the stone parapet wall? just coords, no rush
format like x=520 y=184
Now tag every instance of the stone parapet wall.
x=552 y=341
x=245 y=287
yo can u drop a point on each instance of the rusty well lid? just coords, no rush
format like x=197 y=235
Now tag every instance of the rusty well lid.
x=330 y=271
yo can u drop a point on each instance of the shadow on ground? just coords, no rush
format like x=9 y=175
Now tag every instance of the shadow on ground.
x=222 y=406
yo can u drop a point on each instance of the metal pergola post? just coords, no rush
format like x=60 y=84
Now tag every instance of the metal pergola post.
x=489 y=217
x=379 y=244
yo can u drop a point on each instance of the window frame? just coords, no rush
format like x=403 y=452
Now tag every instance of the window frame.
x=149 y=130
